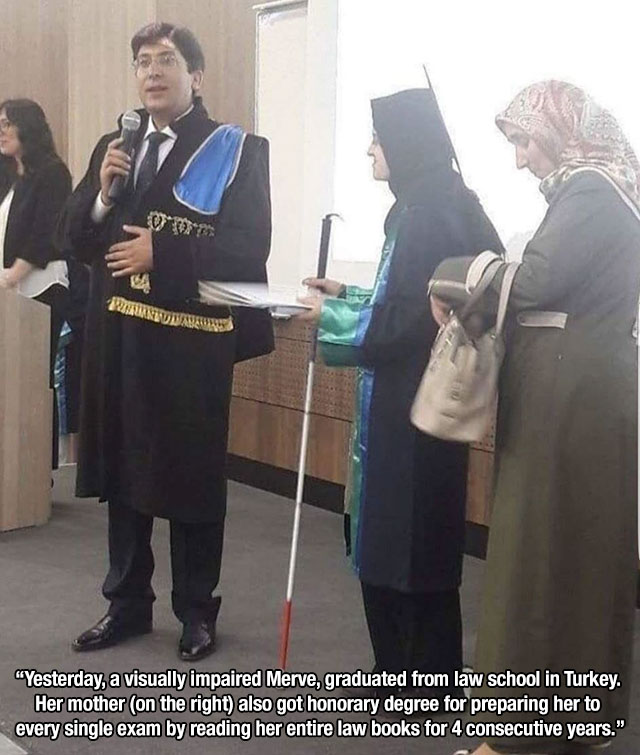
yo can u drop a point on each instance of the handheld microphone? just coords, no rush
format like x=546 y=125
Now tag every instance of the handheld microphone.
x=130 y=125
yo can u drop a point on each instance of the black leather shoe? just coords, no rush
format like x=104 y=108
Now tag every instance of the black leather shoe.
x=110 y=630
x=198 y=640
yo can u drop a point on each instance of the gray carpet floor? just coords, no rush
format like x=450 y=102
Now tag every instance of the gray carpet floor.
x=49 y=592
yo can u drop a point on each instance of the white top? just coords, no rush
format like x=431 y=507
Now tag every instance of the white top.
x=37 y=281
x=4 y=219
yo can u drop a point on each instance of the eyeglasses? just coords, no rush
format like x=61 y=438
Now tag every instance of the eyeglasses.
x=5 y=125
x=165 y=61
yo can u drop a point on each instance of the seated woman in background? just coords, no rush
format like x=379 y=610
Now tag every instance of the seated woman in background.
x=407 y=491
x=562 y=558
x=34 y=185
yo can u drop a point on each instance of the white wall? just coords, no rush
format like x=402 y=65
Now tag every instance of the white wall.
x=280 y=107
x=479 y=56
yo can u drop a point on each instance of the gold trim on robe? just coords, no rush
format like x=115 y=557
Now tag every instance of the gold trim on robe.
x=179 y=226
x=141 y=282
x=166 y=317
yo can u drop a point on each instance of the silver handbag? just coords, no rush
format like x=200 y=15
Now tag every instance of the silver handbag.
x=456 y=397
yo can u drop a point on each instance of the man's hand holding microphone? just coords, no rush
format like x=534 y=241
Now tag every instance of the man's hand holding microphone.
x=135 y=255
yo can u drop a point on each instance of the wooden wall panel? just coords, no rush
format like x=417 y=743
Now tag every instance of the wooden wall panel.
x=281 y=377
x=33 y=41
x=226 y=30
x=73 y=57
x=271 y=434
x=101 y=80
x=266 y=418
x=25 y=412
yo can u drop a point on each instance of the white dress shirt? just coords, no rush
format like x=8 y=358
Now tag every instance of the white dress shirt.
x=5 y=207
x=100 y=210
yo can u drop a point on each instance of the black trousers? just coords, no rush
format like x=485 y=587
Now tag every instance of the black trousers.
x=196 y=553
x=56 y=298
x=414 y=631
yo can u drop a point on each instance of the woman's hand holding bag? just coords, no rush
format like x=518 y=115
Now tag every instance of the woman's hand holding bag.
x=456 y=397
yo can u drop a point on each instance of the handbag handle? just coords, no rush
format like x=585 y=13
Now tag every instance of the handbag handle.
x=505 y=291
x=484 y=283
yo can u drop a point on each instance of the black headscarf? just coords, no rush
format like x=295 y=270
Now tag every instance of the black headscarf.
x=413 y=137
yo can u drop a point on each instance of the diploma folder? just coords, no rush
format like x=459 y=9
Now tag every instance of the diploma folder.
x=281 y=300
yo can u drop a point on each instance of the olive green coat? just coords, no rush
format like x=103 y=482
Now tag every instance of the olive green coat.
x=562 y=558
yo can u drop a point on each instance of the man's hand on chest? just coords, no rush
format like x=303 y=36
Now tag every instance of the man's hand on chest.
x=131 y=257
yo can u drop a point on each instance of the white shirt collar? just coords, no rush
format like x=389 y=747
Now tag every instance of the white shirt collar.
x=151 y=127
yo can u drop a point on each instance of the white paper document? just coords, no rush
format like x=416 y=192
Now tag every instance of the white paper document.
x=281 y=300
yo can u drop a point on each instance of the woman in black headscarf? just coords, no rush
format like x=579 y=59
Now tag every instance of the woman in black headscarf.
x=406 y=494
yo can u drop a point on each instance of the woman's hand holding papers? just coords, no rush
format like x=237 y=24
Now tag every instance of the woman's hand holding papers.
x=325 y=285
x=315 y=303
x=322 y=287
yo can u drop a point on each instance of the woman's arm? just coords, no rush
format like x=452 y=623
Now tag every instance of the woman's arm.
x=562 y=252
x=19 y=270
x=359 y=330
x=576 y=229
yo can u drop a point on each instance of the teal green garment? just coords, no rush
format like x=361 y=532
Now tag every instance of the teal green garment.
x=357 y=295
x=341 y=332
x=343 y=325
x=343 y=321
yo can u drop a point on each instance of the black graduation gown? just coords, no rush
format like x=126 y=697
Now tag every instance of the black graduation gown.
x=406 y=496
x=408 y=532
x=158 y=367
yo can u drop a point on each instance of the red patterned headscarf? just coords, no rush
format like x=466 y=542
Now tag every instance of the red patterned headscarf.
x=574 y=132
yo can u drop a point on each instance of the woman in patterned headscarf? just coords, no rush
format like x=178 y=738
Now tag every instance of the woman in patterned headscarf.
x=562 y=558
x=574 y=133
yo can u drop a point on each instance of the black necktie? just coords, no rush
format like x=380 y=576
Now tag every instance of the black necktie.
x=149 y=164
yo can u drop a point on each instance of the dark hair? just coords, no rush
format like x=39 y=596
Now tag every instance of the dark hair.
x=183 y=38
x=33 y=131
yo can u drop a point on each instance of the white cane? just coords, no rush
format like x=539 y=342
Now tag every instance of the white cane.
x=302 y=461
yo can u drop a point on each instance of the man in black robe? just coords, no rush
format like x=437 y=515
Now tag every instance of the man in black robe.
x=159 y=365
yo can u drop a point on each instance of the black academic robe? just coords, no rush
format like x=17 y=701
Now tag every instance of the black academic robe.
x=158 y=364
x=407 y=491
x=406 y=496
